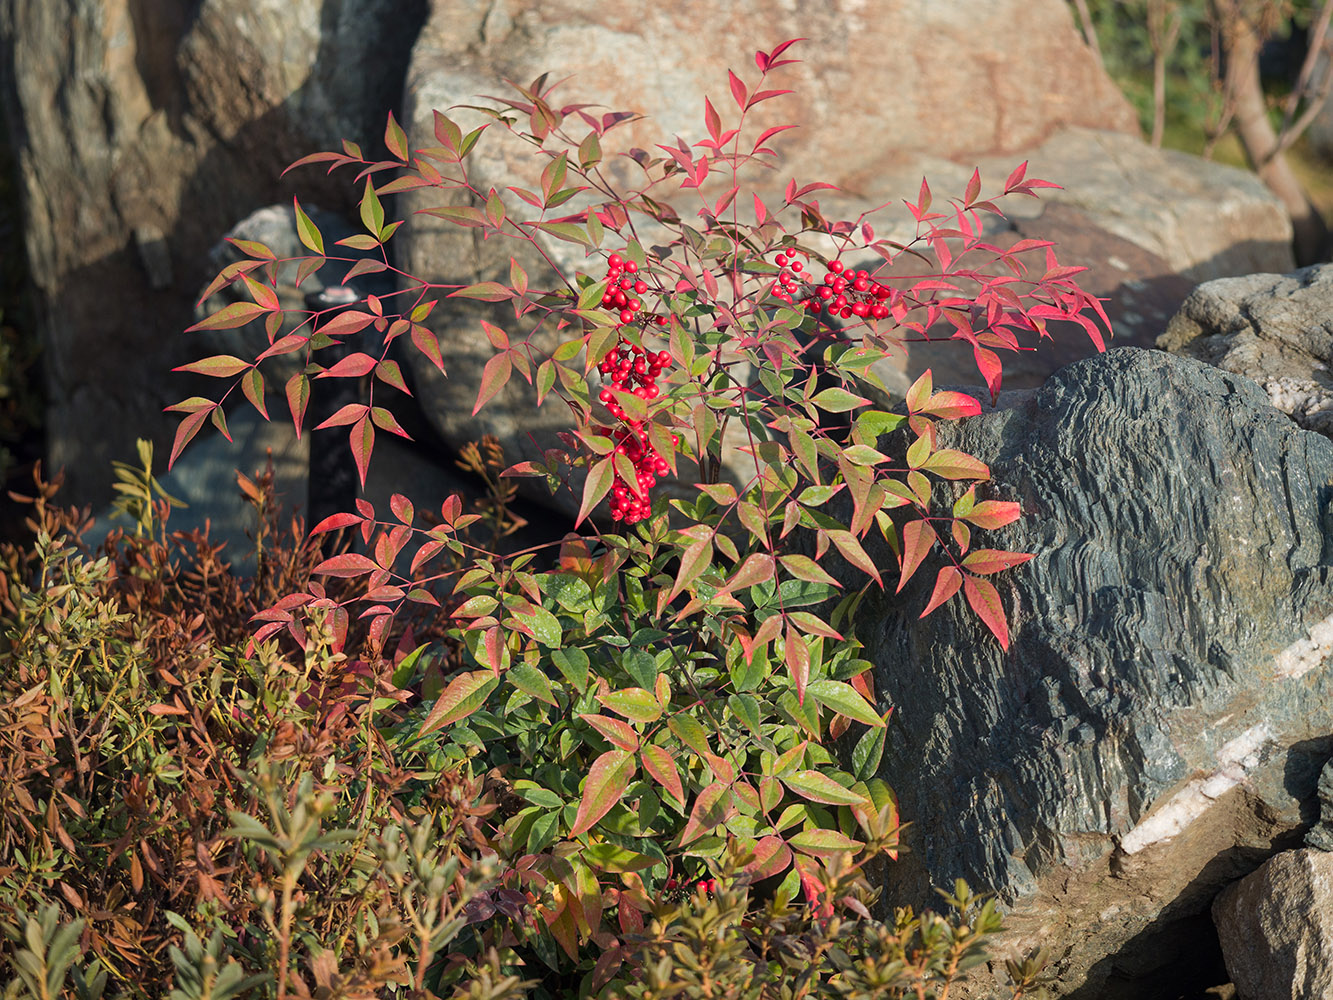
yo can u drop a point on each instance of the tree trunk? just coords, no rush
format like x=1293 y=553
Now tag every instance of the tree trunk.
x=1240 y=43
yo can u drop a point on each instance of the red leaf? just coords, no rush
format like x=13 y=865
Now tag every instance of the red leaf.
x=658 y=763
x=737 y=89
x=987 y=561
x=346 y=323
x=951 y=406
x=352 y=366
x=386 y=421
x=988 y=364
x=428 y=344
x=619 y=733
x=946 y=585
x=349 y=564
x=595 y=487
x=607 y=780
x=712 y=121
x=993 y=514
x=363 y=443
x=710 y=809
x=1016 y=176
x=285 y=345
x=464 y=695
x=188 y=428
x=985 y=601
x=973 y=188
x=918 y=537
x=335 y=521
x=348 y=414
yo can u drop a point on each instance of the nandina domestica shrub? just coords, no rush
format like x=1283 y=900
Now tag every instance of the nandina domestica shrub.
x=667 y=691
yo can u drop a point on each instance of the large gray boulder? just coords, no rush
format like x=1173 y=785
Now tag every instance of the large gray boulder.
x=1166 y=703
x=1276 y=329
x=142 y=132
x=1276 y=928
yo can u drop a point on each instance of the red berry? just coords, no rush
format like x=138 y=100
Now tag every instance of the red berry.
x=640 y=287
x=615 y=260
x=797 y=266
x=631 y=267
x=836 y=266
x=626 y=315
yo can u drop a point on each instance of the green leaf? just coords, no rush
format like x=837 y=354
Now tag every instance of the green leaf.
x=746 y=709
x=835 y=400
x=531 y=681
x=843 y=699
x=615 y=859
x=635 y=704
x=545 y=626
x=619 y=733
x=823 y=843
x=464 y=695
x=372 y=212
x=949 y=463
x=689 y=732
x=818 y=787
x=218 y=366
x=573 y=665
x=229 y=317
x=867 y=753
x=596 y=487
x=607 y=779
x=307 y=231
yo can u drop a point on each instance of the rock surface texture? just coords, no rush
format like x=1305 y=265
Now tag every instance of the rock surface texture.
x=1276 y=928
x=144 y=129
x=1166 y=702
x=1276 y=329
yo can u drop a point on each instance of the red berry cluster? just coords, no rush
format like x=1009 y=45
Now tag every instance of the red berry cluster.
x=677 y=891
x=630 y=368
x=841 y=292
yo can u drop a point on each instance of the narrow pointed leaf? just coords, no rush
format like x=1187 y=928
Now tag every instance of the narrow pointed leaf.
x=464 y=695
x=985 y=601
x=608 y=778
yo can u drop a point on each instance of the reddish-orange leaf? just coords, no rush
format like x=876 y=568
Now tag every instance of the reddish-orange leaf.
x=710 y=809
x=738 y=92
x=947 y=582
x=595 y=487
x=349 y=564
x=993 y=514
x=619 y=733
x=771 y=857
x=607 y=779
x=659 y=763
x=428 y=344
x=758 y=568
x=335 y=521
x=986 y=561
x=286 y=345
x=362 y=439
x=348 y=414
x=985 y=601
x=919 y=394
x=493 y=379
x=918 y=537
x=805 y=568
x=188 y=428
x=352 y=366
x=693 y=562
x=346 y=323
x=951 y=406
x=988 y=364
x=852 y=551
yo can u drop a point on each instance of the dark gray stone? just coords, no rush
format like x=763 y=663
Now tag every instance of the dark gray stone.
x=1320 y=836
x=1165 y=703
x=1276 y=329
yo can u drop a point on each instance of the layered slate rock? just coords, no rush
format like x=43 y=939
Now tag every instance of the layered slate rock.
x=1276 y=329
x=1165 y=704
x=1276 y=928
